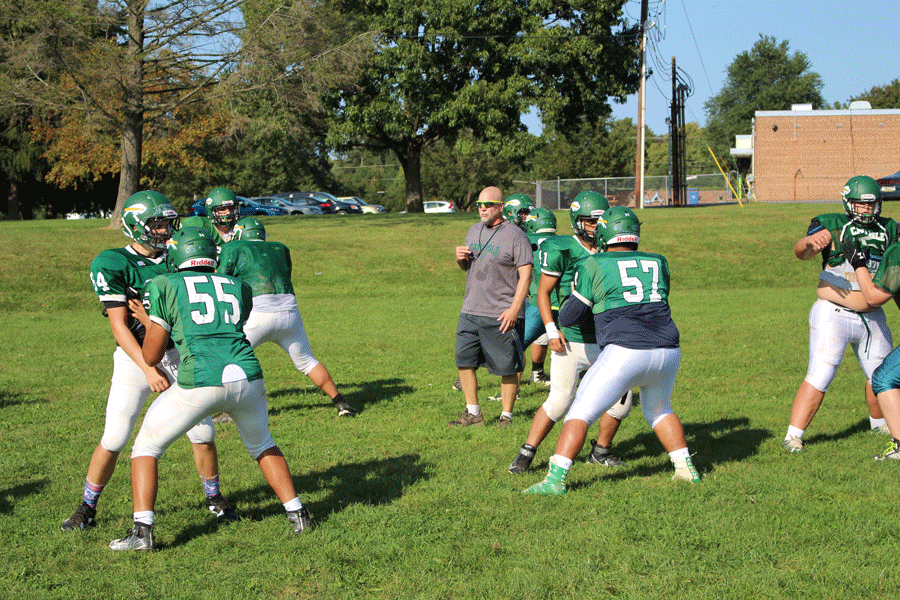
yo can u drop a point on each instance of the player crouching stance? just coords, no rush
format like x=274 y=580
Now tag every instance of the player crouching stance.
x=203 y=313
x=627 y=292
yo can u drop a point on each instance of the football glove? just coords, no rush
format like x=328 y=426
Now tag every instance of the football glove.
x=854 y=255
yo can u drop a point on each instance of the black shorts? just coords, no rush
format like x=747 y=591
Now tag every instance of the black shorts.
x=479 y=343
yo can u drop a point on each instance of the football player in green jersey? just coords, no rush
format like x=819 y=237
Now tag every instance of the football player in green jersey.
x=516 y=207
x=266 y=266
x=841 y=316
x=539 y=225
x=626 y=293
x=119 y=275
x=222 y=208
x=575 y=347
x=203 y=313
x=877 y=290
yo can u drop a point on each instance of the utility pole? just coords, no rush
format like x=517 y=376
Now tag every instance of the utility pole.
x=639 y=157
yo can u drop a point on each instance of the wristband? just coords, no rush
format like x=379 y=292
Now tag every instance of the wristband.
x=552 y=331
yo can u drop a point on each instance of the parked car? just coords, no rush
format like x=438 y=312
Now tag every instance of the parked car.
x=328 y=203
x=890 y=186
x=248 y=208
x=366 y=208
x=293 y=209
x=439 y=206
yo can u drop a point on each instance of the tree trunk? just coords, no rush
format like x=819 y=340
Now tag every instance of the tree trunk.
x=133 y=119
x=13 y=207
x=411 y=159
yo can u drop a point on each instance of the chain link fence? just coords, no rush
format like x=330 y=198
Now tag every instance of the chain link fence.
x=620 y=191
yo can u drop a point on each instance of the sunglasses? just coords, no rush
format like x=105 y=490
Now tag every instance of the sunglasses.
x=488 y=204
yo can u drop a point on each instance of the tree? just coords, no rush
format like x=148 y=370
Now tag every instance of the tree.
x=768 y=77
x=883 y=96
x=110 y=73
x=698 y=160
x=442 y=67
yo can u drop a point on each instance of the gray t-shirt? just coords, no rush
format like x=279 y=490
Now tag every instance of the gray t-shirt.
x=493 y=274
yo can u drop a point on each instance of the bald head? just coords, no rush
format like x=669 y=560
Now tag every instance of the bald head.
x=491 y=194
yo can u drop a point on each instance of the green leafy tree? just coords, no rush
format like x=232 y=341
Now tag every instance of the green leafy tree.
x=442 y=67
x=883 y=96
x=767 y=77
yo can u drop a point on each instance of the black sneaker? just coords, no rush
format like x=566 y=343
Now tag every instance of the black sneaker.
x=602 y=456
x=140 y=538
x=523 y=459
x=344 y=409
x=300 y=520
x=220 y=507
x=457 y=385
x=82 y=519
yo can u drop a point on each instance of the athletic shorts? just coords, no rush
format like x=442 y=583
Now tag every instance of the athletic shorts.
x=479 y=343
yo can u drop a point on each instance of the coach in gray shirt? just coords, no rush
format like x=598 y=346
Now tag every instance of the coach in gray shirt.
x=497 y=259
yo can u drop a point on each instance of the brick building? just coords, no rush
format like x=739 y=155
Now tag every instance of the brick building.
x=808 y=155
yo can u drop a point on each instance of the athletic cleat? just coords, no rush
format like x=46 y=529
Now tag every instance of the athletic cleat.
x=540 y=377
x=220 y=507
x=793 y=444
x=500 y=398
x=523 y=459
x=503 y=422
x=685 y=471
x=140 y=538
x=300 y=520
x=81 y=519
x=554 y=484
x=457 y=385
x=466 y=419
x=891 y=453
x=602 y=456
x=344 y=409
x=222 y=418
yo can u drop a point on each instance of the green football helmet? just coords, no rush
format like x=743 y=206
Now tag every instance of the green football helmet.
x=144 y=215
x=189 y=248
x=249 y=228
x=862 y=190
x=618 y=225
x=540 y=220
x=587 y=205
x=515 y=207
x=218 y=203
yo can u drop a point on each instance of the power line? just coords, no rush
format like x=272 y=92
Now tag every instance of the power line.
x=697 y=46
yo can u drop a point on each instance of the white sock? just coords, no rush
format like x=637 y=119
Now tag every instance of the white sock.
x=876 y=423
x=143 y=516
x=506 y=414
x=680 y=453
x=473 y=409
x=561 y=461
x=794 y=432
x=293 y=505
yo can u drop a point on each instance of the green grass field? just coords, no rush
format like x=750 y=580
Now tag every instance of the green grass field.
x=409 y=508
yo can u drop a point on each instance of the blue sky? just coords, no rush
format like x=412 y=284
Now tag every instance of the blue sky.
x=852 y=44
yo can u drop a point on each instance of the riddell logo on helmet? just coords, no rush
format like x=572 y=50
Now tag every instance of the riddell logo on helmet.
x=626 y=239
x=201 y=262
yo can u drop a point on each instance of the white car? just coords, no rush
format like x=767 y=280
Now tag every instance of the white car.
x=366 y=208
x=439 y=206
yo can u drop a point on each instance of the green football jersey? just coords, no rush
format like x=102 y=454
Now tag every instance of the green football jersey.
x=536 y=239
x=206 y=225
x=205 y=315
x=266 y=266
x=560 y=257
x=617 y=279
x=120 y=274
x=887 y=277
x=628 y=293
x=874 y=238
